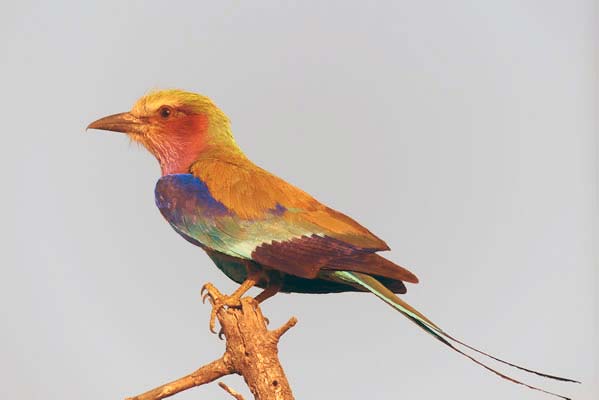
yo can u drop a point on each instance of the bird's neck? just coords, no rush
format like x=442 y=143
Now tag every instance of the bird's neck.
x=176 y=162
x=180 y=155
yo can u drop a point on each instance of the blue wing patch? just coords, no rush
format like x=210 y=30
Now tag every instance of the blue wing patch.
x=187 y=204
x=184 y=196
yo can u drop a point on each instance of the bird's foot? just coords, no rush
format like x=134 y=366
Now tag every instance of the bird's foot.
x=218 y=301
x=209 y=291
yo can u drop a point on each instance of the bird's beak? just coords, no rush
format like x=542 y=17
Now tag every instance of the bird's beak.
x=123 y=122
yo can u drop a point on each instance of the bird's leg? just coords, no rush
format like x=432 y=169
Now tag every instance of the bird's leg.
x=220 y=300
x=275 y=283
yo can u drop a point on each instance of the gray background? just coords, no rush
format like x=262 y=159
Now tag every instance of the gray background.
x=463 y=133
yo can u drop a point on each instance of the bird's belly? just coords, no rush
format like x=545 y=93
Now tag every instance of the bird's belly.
x=235 y=269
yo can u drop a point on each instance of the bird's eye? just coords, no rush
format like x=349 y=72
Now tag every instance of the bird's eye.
x=165 y=112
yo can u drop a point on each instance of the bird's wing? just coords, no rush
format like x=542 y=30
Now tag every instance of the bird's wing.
x=246 y=212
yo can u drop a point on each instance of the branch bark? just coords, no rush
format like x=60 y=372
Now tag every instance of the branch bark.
x=251 y=351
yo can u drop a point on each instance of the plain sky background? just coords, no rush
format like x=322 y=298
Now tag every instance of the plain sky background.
x=464 y=133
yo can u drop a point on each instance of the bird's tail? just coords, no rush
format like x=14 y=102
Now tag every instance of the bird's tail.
x=369 y=283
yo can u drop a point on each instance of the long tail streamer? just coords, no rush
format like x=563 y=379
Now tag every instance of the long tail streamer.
x=369 y=283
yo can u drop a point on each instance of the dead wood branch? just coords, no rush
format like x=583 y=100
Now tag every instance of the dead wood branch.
x=236 y=395
x=251 y=351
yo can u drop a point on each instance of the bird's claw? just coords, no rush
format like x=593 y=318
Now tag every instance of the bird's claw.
x=206 y=296
x=208 y=291
x=218 y=301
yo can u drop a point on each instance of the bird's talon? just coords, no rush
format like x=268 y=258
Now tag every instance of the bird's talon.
x=204 y=297
x=218 y=303
x=208 y=290
x=212 y=321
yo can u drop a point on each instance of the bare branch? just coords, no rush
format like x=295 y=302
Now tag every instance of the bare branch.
x=277 y=333
x=251 y=351
x=208 y=373
x=232 y=392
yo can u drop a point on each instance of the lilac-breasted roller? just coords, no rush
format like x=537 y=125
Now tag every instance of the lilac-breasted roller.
x=257 y=228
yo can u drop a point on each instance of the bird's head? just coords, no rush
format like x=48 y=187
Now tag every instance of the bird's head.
x=174 y=125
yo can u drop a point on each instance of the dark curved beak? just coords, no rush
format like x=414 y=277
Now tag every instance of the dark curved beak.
x=123 y=122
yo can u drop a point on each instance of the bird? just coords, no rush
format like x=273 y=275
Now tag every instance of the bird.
x=257 y=228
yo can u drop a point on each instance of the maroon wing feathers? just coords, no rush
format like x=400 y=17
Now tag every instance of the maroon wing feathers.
x=307 y=255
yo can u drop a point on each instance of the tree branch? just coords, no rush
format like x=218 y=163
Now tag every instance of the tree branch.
x=232 y=392
x=251 y=351
x=206 y=374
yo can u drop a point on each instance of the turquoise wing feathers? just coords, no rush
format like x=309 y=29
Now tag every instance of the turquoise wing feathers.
x=279 y=238
x=188 y=205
